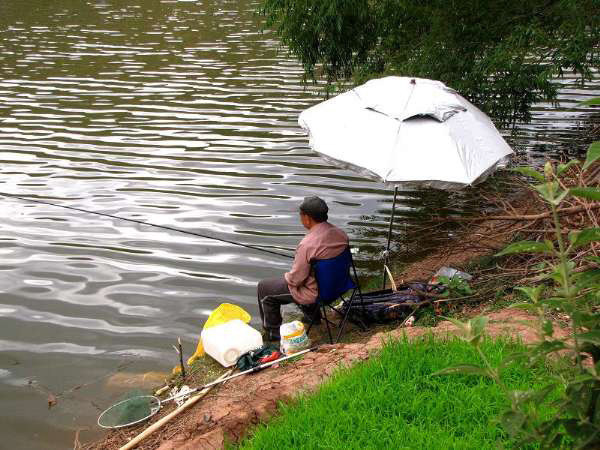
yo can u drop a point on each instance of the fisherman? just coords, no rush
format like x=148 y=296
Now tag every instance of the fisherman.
x=322 y=241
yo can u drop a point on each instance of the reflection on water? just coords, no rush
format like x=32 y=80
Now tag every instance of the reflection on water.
x=178 y=113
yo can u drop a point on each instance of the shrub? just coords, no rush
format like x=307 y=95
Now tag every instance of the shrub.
x=565 y=290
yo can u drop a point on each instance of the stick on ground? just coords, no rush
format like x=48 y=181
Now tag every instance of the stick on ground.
x=152 y=428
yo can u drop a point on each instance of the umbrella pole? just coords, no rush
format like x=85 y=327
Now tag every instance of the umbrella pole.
x=389 y=237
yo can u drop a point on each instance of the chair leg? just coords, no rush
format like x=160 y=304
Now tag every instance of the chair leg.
x=327 y=323
x=358 y=321
x=346 y=315
x=336 y=309
x=314 y=319
x=343 y=323
x=362 y=303
x=355 y=320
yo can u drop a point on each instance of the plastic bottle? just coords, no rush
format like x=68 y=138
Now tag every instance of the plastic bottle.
x=450 y=273
x=227 y=342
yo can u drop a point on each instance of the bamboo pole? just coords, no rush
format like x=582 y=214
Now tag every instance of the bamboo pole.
x=157 y=425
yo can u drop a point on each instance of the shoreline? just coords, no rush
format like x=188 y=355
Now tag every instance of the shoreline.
x=226 y=413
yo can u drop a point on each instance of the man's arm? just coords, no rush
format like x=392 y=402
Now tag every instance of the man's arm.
x=300 y=268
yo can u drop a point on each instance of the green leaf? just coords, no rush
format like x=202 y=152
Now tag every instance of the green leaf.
x=547 y=327
x=532 y=293
x=461 y=325
x=513 y=421
x=597 y=367
x=525 y=247
x=584 y=237
x=529 y=307
x=551 y=192
x=588 y=192
x=549 y=244
x=530 y=172
x=340 y=40
x=591 y=101
x=547 y=190
x=443 y=279
x=564 y=167
x=550 y=347
x=560 y=197
x=593 y=337
x=583 y=379
x=512 y=358
x=559 y=272
x=586 y=319
x=559 y=303
x=542 y=394
x=593 y=153
x=477 y=325
x=588 y=278
x=464 y=369
x=595 y=259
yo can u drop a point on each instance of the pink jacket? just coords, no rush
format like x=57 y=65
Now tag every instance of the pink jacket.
x=322 y=241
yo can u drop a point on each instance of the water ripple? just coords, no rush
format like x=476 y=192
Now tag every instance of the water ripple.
x=176 y=113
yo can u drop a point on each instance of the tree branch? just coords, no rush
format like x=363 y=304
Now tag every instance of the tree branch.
x=562 y=211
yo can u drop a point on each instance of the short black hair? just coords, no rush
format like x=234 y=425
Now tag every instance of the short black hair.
x=315 y=207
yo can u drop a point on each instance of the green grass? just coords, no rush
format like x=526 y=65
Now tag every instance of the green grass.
x=393 y=401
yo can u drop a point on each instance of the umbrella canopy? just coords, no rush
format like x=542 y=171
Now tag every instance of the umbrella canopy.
x=408 y=131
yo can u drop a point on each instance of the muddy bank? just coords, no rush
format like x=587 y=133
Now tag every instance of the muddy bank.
x=228 y=413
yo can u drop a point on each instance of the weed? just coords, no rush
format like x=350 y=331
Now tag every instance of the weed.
x=427 y=318
x=564 y=289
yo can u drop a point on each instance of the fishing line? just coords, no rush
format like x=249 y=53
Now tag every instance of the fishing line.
x=140 y=222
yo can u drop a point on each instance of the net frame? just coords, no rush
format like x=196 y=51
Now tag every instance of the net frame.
x=188 y=393
x=153 y=411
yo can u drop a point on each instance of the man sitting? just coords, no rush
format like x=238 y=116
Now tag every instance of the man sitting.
x=322 y=241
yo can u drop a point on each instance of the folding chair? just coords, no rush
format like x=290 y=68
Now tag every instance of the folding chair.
x=333 y=280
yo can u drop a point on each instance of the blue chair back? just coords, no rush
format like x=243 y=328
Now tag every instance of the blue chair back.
x=333 y=276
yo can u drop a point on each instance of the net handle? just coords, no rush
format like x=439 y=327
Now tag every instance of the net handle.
x=192 y=391
x=152 y=412
x=253 y=369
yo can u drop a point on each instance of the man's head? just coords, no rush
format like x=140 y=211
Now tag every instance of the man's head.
x=313 y=210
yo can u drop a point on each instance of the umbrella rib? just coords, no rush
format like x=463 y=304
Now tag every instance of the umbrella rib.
x=414 y=85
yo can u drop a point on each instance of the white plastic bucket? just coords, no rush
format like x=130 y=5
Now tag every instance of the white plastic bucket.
x=227 y=342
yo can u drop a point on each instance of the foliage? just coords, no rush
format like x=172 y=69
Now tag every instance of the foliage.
x=392 y=401
x=565 y=290
x=502 y=55
x=427 y=317
x=456 y=286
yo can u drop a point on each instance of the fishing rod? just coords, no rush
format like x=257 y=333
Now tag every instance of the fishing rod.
x=239 y=374
x=141 y=222
x=127 y=412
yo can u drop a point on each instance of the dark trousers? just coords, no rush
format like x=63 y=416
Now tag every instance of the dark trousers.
x=272 y=293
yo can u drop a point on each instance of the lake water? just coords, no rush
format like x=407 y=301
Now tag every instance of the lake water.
x=177 y=113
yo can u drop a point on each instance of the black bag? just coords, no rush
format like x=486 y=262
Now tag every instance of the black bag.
x=386 y=305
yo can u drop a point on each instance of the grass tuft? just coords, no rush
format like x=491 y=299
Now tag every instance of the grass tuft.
x=393 y=401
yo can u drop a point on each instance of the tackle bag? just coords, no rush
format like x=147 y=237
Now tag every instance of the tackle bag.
x=387 y=305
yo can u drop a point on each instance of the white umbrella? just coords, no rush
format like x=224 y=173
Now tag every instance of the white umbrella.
x=406 y=131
